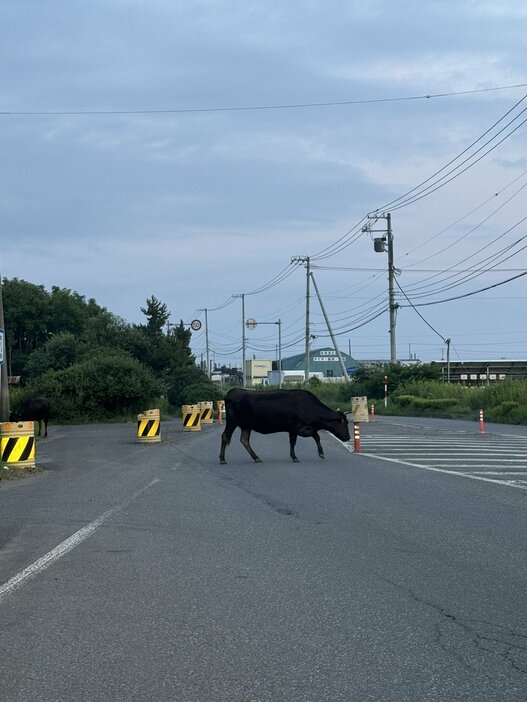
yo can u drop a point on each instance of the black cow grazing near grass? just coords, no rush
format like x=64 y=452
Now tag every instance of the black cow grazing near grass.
x=298 y=412
x=33 y=410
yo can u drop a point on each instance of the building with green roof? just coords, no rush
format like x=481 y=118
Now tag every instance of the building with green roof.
x=323 y=363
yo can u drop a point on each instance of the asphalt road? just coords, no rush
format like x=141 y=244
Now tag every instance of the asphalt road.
x=133 y=573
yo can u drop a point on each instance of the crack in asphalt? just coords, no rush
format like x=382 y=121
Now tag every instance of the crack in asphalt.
x=480 y=636
x=275 y=505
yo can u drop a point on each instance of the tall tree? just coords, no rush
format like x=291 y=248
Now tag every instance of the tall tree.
x=26 y=312
x=157 y=315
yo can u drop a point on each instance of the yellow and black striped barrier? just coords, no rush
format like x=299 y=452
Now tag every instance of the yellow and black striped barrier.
x=206 y=412
x=149 y=427
x=191 y=417
x=17 y=444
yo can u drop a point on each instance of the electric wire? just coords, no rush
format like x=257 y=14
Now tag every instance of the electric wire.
x=404 y=200
x=468 y=214
x=401 y=199
x=497 y=258
x=480 y=262
x=253 y=108
x=278 y=278
x=474 y=292
x=418 y=313
x=429 y=191
x=470 y=231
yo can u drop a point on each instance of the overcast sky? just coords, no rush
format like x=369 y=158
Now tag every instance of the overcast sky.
x=190 y=150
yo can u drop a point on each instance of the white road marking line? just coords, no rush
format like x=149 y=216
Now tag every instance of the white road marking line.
x=68 y=545
x=485 y=467
x=498 y=472
x=461 y=458
x=471 y=476
x=451 y=431
x=397 y=441
x=446 y=450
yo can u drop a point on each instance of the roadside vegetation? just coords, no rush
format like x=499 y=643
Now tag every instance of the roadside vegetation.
x=94 y=366
x=418 y=391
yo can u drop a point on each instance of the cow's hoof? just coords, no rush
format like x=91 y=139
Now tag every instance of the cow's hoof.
x=296 y=460
x=321 y=455
x=257 y=460
x=223 y=463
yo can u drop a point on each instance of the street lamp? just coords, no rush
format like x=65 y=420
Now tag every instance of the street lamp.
x=252 y=324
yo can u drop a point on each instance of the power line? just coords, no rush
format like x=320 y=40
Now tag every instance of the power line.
x=474 y=292
x=278 y=278
x=494 y=260
x=475 y=209
x=407 y=198
x=418 y=313
x=250 y=108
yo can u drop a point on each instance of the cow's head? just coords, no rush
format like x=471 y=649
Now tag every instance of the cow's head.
x=340 y=427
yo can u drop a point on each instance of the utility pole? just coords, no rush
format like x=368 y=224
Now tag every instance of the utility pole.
x=448 y=360
x=207 y=341
x=244 y=343
x=342 y=364
x=279 y=353
x=385 y=243
x=4 y=388
x=207 y=354
x=307 y=261
x=391 y=291
x=252 y=324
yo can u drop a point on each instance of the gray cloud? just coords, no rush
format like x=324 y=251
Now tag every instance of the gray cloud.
x=120 y=207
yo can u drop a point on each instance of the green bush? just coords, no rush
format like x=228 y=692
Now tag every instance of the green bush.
x=200 y=392
x=405 y=400
x=106 y=386
x=415 y=402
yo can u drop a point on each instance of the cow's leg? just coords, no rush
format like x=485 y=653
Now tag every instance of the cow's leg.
x=292 y=444
x=244 y=438
x=45 y=427
x=39 y=426
x=319 y=445
x=226 y=439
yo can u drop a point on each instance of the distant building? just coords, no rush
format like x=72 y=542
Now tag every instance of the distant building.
x=323 y=363
x=256 y=370
x=483 y=372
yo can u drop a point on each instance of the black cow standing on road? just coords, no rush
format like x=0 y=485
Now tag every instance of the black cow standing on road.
x=298 y=412
x=33 y=410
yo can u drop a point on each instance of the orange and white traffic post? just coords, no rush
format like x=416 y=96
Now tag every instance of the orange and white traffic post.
x=372 y=414
x=356 y=437
x=481 y=422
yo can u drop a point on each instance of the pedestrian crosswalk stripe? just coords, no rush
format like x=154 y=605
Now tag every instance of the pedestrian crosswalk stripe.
x=491 y=458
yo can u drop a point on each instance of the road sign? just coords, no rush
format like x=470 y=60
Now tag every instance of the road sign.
x=2 y=337
x=195 y=325
x=251 y=323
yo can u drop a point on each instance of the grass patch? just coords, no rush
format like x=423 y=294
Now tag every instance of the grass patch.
x=504 y=402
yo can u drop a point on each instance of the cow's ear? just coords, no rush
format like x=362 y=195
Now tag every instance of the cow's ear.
x=338 y=409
